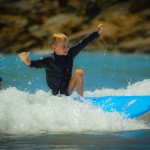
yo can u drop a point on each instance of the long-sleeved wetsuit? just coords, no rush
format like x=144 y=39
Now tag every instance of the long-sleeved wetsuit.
x=59 y=68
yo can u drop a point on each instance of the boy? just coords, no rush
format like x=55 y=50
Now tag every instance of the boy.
x=1 y=84
x=59 y=64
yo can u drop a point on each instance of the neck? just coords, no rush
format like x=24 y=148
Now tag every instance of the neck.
x=57 y=54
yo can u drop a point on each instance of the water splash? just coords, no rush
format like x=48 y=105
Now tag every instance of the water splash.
x=22 y=112
x=106 y=45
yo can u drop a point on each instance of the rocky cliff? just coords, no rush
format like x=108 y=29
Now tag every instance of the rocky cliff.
x=28 y=25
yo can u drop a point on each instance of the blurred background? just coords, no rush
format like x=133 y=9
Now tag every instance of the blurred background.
x=28 y=25
x=116 y=64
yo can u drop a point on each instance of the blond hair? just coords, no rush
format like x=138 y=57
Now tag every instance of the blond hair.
x=58 y=37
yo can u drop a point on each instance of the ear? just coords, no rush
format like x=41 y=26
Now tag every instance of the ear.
x=53 y=46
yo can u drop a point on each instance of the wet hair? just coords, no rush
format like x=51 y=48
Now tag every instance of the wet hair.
x=58 y=36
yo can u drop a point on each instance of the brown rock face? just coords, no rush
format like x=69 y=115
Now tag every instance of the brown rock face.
x=28 y=25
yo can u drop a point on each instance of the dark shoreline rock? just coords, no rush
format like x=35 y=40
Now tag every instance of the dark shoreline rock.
x=27 y=26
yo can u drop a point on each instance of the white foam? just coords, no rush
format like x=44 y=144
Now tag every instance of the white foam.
x=138 y=88
x=22 y=112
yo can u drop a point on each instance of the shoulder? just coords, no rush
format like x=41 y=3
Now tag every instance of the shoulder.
x=49 y=57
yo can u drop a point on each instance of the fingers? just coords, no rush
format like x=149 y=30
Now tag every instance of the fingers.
x=100 y=27
x=24 y=54
x=28 y=53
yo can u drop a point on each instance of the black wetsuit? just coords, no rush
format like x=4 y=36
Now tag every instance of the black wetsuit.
x=59 y=68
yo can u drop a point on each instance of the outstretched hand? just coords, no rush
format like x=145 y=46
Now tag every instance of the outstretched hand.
x=24 y=55
x=99 y=28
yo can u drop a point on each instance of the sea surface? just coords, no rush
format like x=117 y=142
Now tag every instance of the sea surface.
x=32 y=118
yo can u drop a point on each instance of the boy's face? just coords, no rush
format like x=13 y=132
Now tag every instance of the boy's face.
x=61 y=47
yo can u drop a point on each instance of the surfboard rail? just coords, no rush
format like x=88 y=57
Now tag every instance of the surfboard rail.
x=131 y=106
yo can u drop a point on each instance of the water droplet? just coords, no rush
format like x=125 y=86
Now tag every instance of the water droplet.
x=29 y=83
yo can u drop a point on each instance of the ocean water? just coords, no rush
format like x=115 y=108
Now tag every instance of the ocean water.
x=32 y=118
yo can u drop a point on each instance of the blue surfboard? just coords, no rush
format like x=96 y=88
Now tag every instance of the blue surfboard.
x=131 y=106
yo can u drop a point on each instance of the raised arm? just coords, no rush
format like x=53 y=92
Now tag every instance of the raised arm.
x=78 y=47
